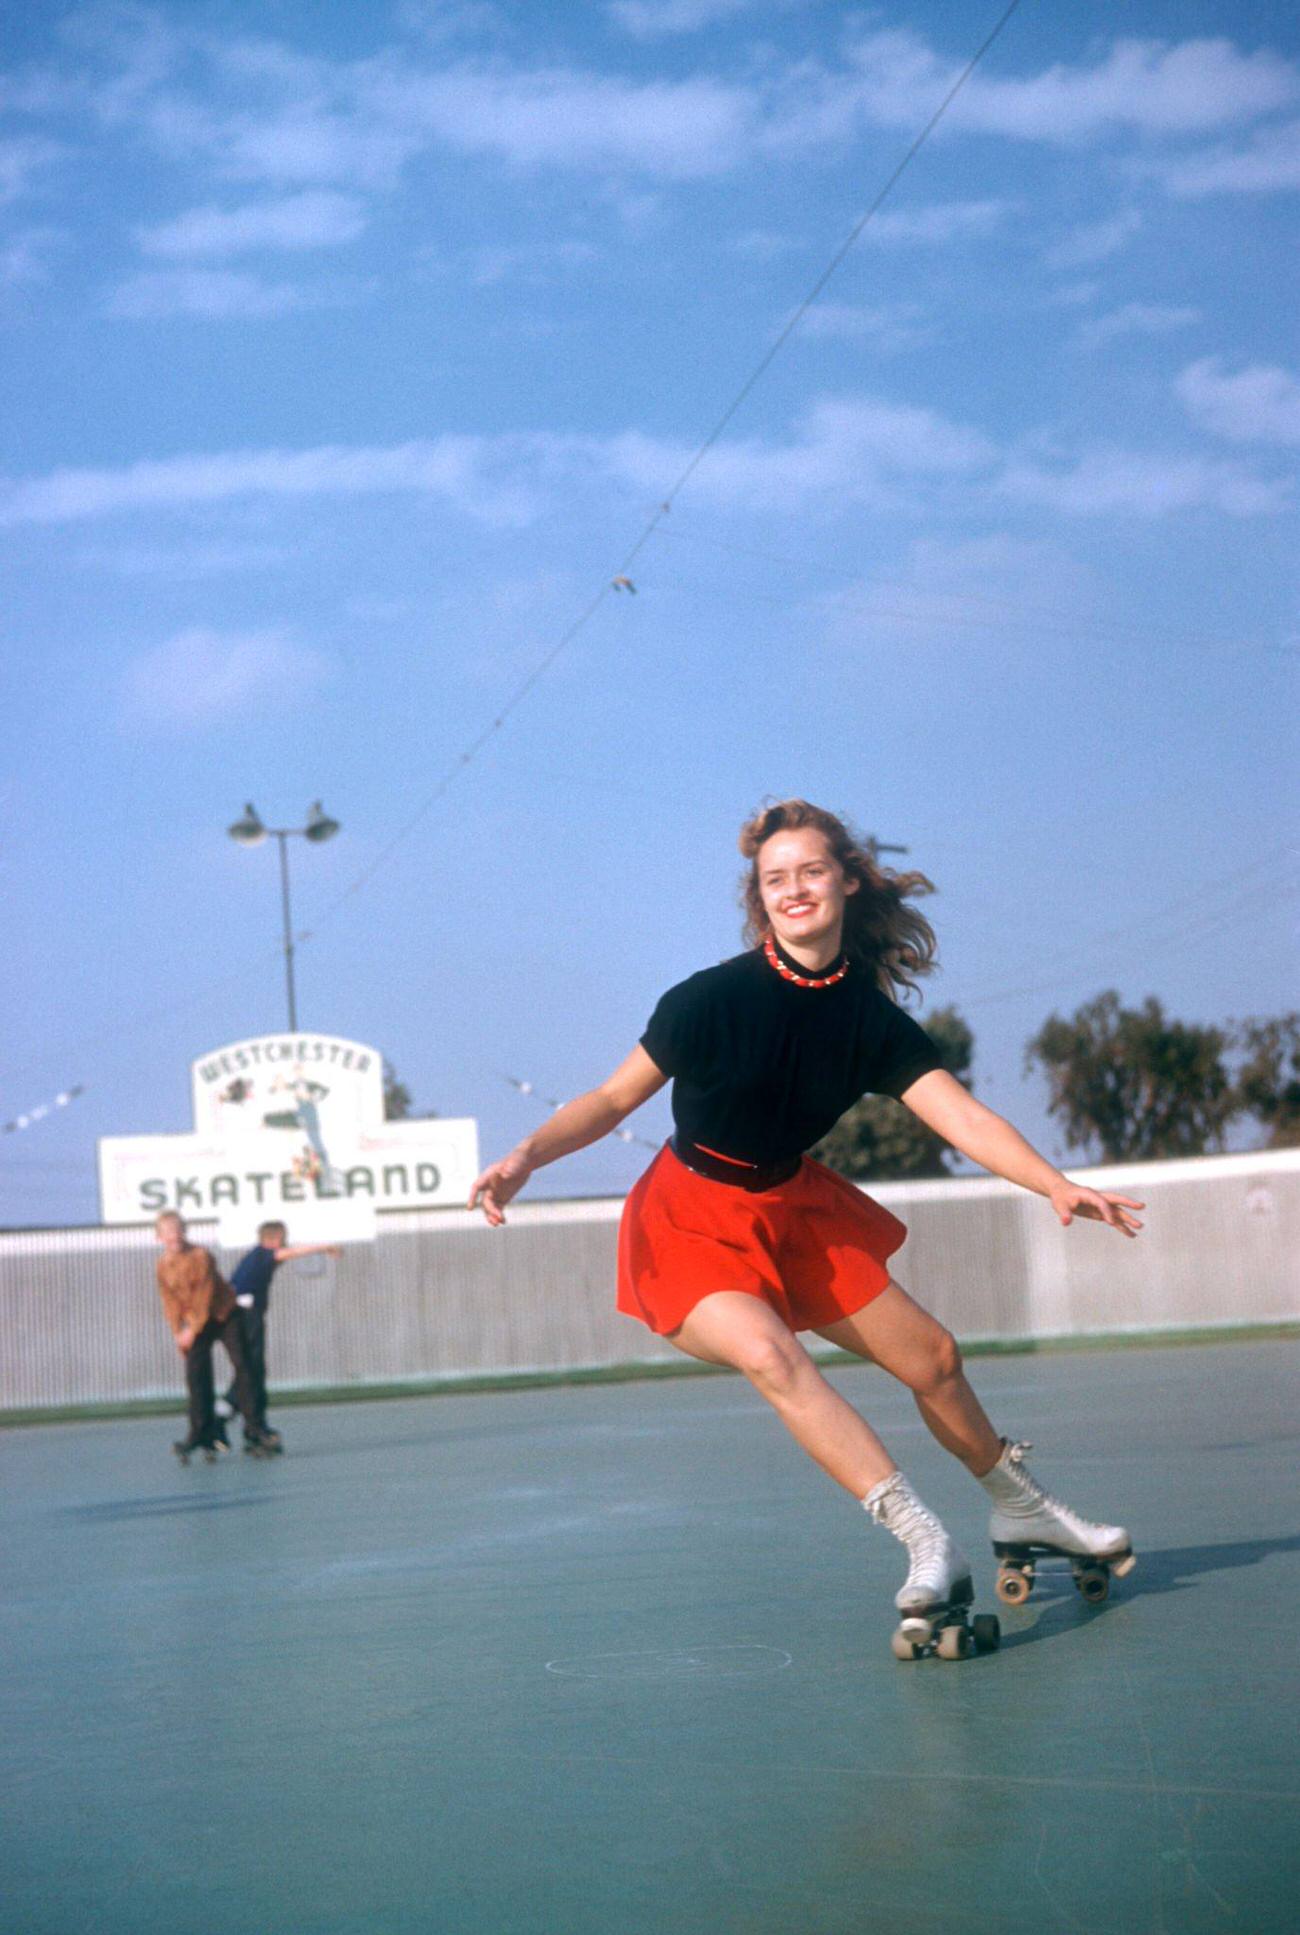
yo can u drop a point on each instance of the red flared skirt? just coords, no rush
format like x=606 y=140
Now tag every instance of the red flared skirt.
x=814 y=1248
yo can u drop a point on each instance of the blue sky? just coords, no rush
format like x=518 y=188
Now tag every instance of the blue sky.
x=348 y=350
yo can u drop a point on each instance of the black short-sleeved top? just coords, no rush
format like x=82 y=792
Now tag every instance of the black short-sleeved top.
x=762 y=1069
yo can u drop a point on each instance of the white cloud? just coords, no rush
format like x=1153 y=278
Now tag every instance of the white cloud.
x=260 y=112
x=1094 y=241
x=559 y=117
x=442 y=20
x=943 y=592
x=843 y=450
x=941 y=222
x=311 y=220
x=1143 y=483
x=1148 y=86
x=890 y=327
x=1260 y=404
x=456 y=468
x=859 y=447
x=1134 y=319
x=215 y=294
x=1073 y=295
x=636 y=212
x=854 y=449
x=25 y=256
x=529 y=262
x=762 y=244
x=1269 y=161
x=22 y=158
x=201 y=677
x=302 y=143
x=652 y=19
x=139 y=49
x=255 y=110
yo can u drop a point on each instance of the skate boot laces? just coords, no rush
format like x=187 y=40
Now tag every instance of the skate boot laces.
x=896 y=1505
x=1021 y=1498
x=935 y=1566
x=1032 y=1497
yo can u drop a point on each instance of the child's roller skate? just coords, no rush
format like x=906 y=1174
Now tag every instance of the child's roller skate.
x=1027 y=1523
x=186 y=1447
x=262 y=1442
x=936 y=1596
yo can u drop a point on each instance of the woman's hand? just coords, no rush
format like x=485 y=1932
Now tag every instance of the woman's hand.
x=1071 y=1199
x=940 y=1101
x=498 y=1183
x=578 y=1124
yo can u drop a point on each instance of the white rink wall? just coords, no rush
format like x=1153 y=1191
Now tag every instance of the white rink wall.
x=440 y=1296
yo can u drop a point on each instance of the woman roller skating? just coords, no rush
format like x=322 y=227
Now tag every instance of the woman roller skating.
x=734 y=1240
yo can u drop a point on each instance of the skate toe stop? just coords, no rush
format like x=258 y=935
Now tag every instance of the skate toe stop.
x=916 y=1628
x=1123 y=1566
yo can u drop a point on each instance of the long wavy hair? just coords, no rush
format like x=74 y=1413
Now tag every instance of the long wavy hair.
x=889 y=937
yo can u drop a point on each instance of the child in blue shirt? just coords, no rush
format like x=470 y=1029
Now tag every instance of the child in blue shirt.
x=251 y=1282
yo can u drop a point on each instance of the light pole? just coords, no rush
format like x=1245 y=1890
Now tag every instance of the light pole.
x=250 y=832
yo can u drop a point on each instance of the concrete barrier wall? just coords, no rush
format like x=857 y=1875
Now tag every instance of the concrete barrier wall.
x=441 y=1296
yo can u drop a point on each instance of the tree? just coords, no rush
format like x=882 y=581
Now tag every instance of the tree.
x=1131 y=1084
x=881 y=1139
x=1268 y=1079
x=398 y=1106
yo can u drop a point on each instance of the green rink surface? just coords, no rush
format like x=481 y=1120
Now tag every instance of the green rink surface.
x=610 y=1658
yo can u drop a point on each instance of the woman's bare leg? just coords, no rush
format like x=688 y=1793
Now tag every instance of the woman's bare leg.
x=914 y=1347
x=730 y=1327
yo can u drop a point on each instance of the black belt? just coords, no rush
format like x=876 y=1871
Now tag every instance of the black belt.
x=729 y=1169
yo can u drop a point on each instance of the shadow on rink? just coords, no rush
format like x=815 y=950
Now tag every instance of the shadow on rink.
x=1170 y=1570
x=614 y=1660
x=127 y=1508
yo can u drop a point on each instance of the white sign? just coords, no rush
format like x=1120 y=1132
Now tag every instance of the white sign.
x=289 y=1127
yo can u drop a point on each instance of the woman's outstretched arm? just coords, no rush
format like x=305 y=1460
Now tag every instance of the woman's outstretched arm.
x=989 y=1139
x=578 y=1123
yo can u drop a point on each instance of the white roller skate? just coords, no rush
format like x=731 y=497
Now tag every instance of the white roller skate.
x=935 y=1598
x=1026 y=1522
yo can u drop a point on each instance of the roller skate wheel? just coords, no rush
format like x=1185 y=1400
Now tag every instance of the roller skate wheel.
x=1094 y=1584
x=902 y=1647
x=954 y=1643
x=986 y=1631
x=209 y=1454
x=1013 y=1588
x=1122 y=1567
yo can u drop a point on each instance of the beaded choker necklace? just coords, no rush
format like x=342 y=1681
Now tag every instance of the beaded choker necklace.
x=802 y=980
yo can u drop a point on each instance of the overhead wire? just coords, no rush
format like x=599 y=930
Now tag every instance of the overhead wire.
x=149 y=1021
x=620 y=577
x=1023 y=611
x=30 y=1117
x=550 y=1102
x=1204 y=926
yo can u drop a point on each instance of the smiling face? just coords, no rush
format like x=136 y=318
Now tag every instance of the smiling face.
x=803 y=888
